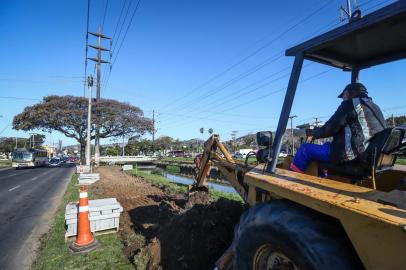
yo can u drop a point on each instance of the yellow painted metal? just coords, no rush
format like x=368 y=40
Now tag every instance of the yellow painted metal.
x=374 y=220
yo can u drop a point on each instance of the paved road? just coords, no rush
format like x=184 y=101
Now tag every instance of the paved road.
x=28 y=201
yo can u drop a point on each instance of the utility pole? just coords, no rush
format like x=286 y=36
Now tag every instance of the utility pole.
x=347 y=11
x=233 y=136
x=317 y=122
x=32 y=140
x=393 y=121
x=153 y=132
x=291 y=133
x=16 y=143
x=123 y=152
x=89 y=119
x=99 y=61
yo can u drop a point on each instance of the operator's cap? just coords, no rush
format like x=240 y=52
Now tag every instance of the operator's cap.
x=354 y=90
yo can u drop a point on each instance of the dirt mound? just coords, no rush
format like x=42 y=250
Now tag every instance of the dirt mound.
x=162 y=230
x=199 y=236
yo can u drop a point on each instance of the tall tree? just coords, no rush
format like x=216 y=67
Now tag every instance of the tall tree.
x=68 y=115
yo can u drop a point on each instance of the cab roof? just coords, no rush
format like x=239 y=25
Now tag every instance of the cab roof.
x=377 y=38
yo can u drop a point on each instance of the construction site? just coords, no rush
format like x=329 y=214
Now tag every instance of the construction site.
x=328 y=192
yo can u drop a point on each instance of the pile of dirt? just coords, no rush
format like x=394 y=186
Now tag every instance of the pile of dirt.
x=199 y=236
x=169 y=231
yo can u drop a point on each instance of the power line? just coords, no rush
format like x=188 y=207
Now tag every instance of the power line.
x=225 y=100
x=125 y=34
x=230 y=82
x=261 y=97
x=254 y=69
x=114 y=35
x=105 y=75
x=267 y=44
x=122 y=41
x=105 y=13
x=199 y=99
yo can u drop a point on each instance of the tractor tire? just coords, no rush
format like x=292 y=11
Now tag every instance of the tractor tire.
x=283 y=235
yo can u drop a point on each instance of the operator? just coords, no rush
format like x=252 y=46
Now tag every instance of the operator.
x=356 y=120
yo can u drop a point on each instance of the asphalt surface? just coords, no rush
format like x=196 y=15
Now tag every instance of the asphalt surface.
x=28 y=201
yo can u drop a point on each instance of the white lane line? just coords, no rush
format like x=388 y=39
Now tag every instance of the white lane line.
x=13 y=174
x=11 y=189
x=34 y=178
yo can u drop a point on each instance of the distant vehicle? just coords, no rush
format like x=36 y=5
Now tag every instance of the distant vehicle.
x=238 y=155
x=176 y=153
x=73 y=159
x=282 y=154
x=55 y=162
x=242 y=153
x=188 y=154
x=24 y=158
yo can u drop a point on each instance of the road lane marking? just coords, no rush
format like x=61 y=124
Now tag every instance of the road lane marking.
x=13 y=174
x=11 y=189
x=34 y=178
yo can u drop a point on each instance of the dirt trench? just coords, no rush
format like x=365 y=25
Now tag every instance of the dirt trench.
x=161 y=230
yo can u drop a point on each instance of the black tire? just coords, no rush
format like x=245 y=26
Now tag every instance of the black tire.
x=309 y=240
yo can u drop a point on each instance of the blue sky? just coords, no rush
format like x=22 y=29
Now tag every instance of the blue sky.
x=196 y=63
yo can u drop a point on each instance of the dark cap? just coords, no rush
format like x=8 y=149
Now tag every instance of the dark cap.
x=354 y=89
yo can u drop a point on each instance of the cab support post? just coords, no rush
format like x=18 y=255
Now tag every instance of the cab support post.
x=355 y=75
x=287 y=106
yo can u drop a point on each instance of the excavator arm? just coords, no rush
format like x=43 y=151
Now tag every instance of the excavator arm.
x=216 y=154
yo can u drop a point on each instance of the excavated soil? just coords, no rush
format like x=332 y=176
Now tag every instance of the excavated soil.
x=161 y=230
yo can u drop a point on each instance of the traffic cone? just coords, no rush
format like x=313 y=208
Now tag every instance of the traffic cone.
x=85 y=242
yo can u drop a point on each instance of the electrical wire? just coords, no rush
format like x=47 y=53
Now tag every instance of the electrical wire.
x=105 y=13
x=122 y=41
x=266 y=45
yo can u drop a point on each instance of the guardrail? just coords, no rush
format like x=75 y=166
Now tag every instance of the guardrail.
x=121 y=159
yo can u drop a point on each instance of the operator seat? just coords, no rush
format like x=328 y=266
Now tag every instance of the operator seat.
x=378 y=157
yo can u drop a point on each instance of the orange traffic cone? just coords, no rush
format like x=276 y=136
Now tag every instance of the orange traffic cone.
x=85 y=242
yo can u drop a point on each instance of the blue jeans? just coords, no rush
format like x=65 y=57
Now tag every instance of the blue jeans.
x=311 y=152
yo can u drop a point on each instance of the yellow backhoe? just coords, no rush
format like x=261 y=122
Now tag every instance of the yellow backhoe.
x=353 y=219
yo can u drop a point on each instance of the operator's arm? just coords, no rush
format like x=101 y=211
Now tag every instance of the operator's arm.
x=336 y=122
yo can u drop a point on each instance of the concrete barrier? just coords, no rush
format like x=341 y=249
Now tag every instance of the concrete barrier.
x=127 y=167
x=104 y=216
x=88 y=178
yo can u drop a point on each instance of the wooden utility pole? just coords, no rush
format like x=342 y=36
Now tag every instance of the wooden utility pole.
x=291 y=133
x=99 y=61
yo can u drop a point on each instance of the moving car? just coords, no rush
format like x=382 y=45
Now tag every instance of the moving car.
x=55 y=162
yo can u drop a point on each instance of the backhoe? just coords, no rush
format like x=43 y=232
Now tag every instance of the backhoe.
x=353 y=219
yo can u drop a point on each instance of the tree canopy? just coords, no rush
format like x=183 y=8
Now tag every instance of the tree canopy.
x=68 y=115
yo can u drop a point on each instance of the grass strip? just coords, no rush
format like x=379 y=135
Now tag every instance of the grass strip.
x=158 y=179
x=401 y=161
x=5 y=163
x=54 y=253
